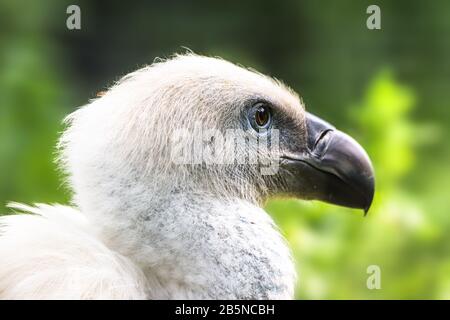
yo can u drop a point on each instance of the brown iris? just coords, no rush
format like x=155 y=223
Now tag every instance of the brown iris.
x=262 y=116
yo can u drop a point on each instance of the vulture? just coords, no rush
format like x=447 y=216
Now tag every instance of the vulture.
x=148 y=221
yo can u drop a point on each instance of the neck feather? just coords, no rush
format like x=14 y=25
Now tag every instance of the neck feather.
x=198 y=246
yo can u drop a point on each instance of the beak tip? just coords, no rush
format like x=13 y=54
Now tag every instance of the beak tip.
x=369 y=203
x=366 y=211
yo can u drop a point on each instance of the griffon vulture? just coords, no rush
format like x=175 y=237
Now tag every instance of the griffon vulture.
x=143 y=226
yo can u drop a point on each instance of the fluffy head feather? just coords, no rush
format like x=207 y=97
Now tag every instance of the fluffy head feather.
x=129 y=130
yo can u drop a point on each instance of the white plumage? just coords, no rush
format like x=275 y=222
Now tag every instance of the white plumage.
x=140 y=226
x=52 y=253
x=145 y=227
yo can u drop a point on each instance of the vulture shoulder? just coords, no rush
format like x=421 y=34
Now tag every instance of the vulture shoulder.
x=51 y=252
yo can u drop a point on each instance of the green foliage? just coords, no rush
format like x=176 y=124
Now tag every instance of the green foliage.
x=334 y=246
x=33 y=96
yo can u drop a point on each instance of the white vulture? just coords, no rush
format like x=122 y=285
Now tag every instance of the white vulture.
x=143 y=226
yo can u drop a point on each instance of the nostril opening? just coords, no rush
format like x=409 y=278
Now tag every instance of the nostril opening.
x=321 y=137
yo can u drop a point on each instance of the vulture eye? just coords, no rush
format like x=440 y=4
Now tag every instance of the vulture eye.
x=260 y=116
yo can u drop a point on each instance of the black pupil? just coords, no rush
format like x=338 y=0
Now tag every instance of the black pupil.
x=262 y=116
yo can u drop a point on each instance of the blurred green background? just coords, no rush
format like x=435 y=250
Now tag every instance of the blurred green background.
x=389 y=88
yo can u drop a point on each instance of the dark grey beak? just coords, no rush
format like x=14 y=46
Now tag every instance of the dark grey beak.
x=334 y=168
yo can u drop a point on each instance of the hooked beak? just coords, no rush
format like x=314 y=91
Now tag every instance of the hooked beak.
x=333 y=168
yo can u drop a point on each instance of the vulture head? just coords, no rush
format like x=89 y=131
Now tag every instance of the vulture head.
x=205 y=125
x=173 y=163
